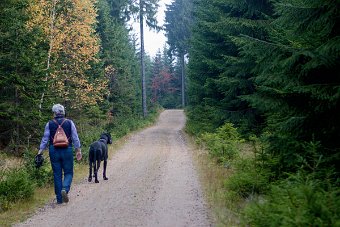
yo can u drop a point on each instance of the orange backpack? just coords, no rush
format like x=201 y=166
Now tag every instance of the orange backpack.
x=60 y=138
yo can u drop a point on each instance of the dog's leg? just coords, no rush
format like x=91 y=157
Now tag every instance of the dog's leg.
x=104 y=170
x=97 y=165
x=90 y=172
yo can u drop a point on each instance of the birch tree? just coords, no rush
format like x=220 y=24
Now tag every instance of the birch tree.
x=73 y=47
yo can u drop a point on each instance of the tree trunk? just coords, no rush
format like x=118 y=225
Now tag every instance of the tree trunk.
x=183 y=79
x=16 y=100
x=17 y=130
x=54 y=3
x=141 y=23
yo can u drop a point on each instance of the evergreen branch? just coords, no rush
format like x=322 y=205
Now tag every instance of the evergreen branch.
x=268 y=43
x=295 y=6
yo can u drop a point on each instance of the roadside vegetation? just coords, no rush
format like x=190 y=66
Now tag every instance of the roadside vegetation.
x=24 y=188
x=243 y=188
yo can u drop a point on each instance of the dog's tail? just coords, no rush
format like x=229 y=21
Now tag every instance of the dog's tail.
x=94 y=152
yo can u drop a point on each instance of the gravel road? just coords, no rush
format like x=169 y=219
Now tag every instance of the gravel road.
x=152 y=182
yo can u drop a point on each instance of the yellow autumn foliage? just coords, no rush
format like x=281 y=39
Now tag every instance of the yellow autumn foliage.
x=69 y=26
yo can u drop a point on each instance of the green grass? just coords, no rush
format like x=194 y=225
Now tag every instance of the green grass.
x=21 y=210
x=224 y=204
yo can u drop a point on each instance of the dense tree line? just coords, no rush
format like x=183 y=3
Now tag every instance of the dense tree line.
x=78 y=53
x=165 y=81
x=271 y=69
x=21 y=70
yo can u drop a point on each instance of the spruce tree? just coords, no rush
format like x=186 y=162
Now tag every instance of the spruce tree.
x=298 y=83
x=119 y=60
x=178 y=22
x=21 y=72
x=146 y=10
x=219 y=73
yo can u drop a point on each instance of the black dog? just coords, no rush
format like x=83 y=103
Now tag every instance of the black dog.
x=99 y=152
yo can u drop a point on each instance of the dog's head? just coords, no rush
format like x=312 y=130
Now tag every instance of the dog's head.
x=106 y=136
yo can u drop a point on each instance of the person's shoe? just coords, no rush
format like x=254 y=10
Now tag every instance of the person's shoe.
x=64 y=196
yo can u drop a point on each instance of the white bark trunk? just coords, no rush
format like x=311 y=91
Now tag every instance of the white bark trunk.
x=53 y=13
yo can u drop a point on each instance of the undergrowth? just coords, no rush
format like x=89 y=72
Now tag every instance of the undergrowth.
x=15 y=185
x=299 y=200
x=258 y=194
x=223 y=144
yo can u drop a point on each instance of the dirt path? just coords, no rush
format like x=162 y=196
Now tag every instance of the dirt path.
x=152 y=182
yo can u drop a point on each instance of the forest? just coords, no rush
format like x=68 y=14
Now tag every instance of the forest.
x=255 y=74
x=270 y=70
x=79 y=54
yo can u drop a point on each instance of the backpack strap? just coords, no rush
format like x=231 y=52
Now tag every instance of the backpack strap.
x=58 y=123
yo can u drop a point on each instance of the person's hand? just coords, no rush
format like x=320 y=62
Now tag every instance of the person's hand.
x=78 y=154
x=40 y=151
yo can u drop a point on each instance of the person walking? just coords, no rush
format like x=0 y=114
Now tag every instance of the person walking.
x=61 y=158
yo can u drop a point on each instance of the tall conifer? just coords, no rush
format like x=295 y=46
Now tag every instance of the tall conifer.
x=297 y=81
x=178 y=22
x=219 y=73
x=119 y=60
x=21 y=72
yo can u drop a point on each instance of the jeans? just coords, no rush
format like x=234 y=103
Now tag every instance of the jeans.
x=62 y=163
